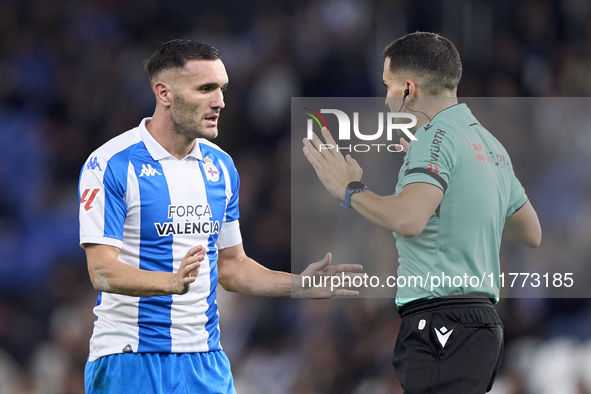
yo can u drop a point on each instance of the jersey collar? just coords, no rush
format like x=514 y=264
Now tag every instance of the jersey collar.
x=451 y=110
x=156 y=150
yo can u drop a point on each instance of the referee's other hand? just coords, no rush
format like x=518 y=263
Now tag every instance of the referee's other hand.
x=405 y=145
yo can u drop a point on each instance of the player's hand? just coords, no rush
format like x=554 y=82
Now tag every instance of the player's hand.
x=330 y=276
x=334 y=171
x=188 y=270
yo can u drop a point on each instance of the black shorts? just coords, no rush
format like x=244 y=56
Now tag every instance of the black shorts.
x=448 y=345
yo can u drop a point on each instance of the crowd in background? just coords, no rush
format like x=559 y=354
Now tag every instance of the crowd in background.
x=71 y=78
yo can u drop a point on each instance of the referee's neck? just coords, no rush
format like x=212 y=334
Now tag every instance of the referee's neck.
x=431 y=106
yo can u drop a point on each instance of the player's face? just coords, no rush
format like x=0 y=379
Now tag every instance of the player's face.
x=395 y=87
x=198 y=98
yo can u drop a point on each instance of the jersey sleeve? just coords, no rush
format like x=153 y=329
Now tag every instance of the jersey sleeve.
x=230 y=232
x=518 y=198
x=430 y=159
x=102 y=203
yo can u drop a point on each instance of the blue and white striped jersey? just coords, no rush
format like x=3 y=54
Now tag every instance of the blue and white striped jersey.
x=137 y=197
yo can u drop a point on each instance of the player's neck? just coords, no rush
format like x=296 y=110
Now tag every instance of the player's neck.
x=161 y=128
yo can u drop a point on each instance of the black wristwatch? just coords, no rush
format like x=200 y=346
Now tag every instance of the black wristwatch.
x=352 y=188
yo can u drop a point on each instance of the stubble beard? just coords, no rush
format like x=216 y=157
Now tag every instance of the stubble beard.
x=185 y=123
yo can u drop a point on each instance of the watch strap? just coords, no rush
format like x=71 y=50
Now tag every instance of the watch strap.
x=352 y=188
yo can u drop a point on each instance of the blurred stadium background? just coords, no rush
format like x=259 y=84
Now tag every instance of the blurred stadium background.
x=71 y=78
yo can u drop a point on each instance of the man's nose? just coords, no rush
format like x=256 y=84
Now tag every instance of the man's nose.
x=218 y=101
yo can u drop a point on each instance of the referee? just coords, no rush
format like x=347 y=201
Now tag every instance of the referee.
x=159 y=223
x=457 y=196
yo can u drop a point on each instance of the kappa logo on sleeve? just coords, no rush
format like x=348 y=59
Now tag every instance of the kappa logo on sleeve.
x=88 y=199
x=92 y=164
x=211 y=171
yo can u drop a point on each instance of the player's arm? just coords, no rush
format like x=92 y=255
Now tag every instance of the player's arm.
x=110 y=275
x=239 y=273
x=523 y=227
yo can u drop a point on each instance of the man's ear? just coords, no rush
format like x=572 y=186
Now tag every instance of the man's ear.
x=162 y=91
x=412 y=88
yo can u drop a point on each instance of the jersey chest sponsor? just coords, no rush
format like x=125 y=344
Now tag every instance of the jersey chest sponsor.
x=190 y=219
x=436 y=145
x=170 y=228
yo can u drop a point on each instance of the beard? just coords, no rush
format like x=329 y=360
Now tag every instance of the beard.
x=186 y=123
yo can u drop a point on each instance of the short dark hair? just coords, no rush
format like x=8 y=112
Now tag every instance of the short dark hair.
x=175 y=54
x=428 y=56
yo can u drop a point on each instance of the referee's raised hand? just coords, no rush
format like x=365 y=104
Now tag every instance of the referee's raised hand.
x=334 y=171
x=322 y=280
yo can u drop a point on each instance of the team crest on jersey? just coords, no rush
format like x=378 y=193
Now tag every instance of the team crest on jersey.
x=211 y=171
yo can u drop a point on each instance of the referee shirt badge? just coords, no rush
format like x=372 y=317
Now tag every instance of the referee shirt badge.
x=479 y=152
x=211 y=171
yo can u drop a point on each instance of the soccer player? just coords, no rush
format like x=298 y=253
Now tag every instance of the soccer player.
x=159 y=223
x=457 y=196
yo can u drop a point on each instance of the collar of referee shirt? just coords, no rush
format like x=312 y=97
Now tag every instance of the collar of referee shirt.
x=157 y=151
x=445 y=111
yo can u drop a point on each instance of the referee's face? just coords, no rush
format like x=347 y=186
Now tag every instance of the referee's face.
x=198 y=98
